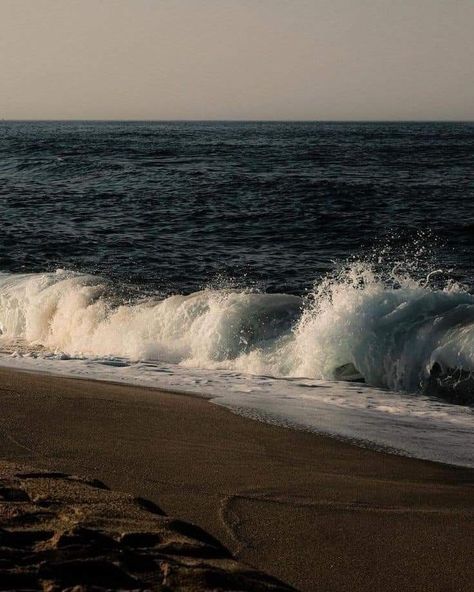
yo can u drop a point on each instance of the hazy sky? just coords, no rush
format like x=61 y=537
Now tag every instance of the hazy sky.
x=237 y=59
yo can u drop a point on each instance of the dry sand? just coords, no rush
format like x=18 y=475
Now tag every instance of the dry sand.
x=315 y=512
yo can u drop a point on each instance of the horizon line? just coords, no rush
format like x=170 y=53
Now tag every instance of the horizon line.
x=201 y=120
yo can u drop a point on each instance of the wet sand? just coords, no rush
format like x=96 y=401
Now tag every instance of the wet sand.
x=315 y=512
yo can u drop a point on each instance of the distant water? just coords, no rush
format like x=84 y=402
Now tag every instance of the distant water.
x=269 y=265
x=173 y=206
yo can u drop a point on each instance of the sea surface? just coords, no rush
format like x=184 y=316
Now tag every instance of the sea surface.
x=315 y=275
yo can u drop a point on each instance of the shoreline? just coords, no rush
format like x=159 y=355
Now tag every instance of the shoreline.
x=247 y=414
x=314 y=511
x=378 y=419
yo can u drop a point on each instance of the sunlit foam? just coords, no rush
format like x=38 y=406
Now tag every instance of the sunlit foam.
x=392 y=333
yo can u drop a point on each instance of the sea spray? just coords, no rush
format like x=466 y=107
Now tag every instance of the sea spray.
x=392 y=331
x=392 y=335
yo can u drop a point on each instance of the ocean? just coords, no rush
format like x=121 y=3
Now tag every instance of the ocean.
x=315 y=275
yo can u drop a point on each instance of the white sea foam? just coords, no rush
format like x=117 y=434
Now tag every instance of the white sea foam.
x=393 y=337
x=267 y=355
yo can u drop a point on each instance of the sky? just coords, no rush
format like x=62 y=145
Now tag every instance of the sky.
x=237 y=59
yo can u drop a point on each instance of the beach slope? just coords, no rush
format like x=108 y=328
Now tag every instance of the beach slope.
x=315 y=512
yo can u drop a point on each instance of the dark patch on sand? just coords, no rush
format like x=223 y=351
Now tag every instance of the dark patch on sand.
x=61 y=532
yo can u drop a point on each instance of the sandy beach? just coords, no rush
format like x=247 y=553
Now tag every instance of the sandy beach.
x=317 y=513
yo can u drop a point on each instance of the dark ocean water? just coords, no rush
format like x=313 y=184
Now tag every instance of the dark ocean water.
x=174 y=206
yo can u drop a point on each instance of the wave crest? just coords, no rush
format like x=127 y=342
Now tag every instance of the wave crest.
x=389 y=333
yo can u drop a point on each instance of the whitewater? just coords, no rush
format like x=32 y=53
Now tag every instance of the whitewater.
x=383 y=361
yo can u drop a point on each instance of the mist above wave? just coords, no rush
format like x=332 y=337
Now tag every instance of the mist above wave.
x=389 y=333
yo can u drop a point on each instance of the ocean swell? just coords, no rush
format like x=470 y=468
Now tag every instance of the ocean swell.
x=402 y=335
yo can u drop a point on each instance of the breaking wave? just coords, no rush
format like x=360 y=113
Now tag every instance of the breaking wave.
x=400 y=334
